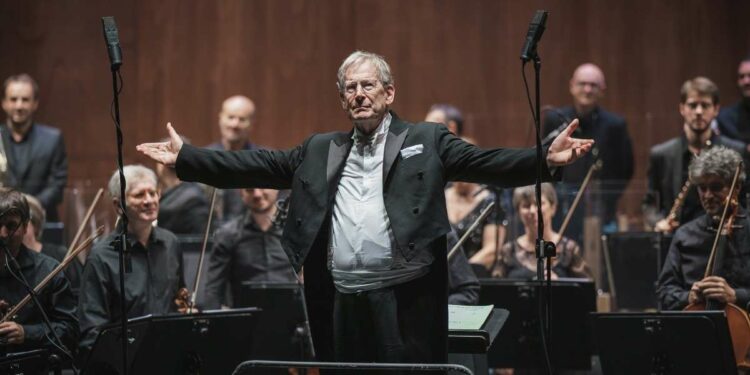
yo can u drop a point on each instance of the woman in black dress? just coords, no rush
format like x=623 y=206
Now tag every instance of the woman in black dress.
x=517 y=259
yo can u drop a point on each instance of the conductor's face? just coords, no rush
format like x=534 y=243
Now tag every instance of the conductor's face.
x=364 y=98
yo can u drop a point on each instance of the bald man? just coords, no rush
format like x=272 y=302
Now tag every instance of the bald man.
x=613 y=146
x=236 y=120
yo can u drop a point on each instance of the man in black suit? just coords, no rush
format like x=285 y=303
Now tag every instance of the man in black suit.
x=734 y=120
x=613 y=147
x=236 y=120
x=668 y=161
x=33 y=155
x=367 y=214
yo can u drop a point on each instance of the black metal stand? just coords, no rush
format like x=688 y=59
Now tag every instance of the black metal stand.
x=544 y=249
x=122 y=241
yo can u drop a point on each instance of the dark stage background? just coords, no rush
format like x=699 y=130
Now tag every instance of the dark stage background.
x=182 y=58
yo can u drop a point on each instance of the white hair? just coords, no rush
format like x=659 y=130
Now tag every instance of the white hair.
x=359 y=57
x=133 y=173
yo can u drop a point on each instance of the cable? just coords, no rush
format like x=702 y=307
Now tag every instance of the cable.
x=544 y=325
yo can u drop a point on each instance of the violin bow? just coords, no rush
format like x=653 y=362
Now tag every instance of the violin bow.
x=473 y=227
x=594 y=167
x=84 y=222
x=730 y=197
x=60 y=267
x=194 y=295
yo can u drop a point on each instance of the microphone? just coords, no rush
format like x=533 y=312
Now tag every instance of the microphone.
x=536 y=29
x=113 y=42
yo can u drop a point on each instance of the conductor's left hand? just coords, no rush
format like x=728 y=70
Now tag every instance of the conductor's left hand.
x=163 y=152
x=565 y=149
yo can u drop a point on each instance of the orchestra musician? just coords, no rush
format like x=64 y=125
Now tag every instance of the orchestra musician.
x=668 y=161
x=517 y=259
x=734 y=119
x=32 y=157
x=682 y=277
x=155 y=256
x=247 y=249
x=367 y=214
x=27 y=330
x=236 y=121
x=464 y=202
x=33 y=241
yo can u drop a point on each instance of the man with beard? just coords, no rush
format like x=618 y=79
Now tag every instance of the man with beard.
x=668 y=162
x=734 y=120
x=155 y=257
x=681 y=280
x=246 y=249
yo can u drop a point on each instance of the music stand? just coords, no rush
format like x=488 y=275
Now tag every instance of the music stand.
x=519 y=346
x=30 y=362
x=283 y=322
x=468 y=347
x=677 y=342
x=212 y=342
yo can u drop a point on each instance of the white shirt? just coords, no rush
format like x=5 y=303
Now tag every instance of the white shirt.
x=361 y=256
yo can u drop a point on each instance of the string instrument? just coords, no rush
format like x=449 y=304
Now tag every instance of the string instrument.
x=737 y=319
x=677 y=205
x=79 y=232
x=185 y=300
x=12 y=312
x=472 y=228
x=594 y=167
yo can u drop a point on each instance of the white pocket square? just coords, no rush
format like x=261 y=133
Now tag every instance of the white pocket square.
x=411 y=151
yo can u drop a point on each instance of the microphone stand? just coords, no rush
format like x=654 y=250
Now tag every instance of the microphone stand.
x=545 y=250
x=121 y=243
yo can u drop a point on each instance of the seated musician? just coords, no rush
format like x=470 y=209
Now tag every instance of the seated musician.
x=27 y=330
x=681 y=280
x=517 y=258
x=33 y=241
x=155 y=257
x=247 y=248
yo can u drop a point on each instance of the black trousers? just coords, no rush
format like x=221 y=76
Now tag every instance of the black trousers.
x=406 y=323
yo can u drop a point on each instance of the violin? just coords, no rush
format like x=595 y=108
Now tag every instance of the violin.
x=737 y=318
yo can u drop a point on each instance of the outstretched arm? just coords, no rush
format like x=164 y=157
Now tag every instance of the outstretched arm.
x=163 y=152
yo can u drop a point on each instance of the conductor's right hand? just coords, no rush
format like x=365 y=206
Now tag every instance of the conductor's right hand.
x=163 y=152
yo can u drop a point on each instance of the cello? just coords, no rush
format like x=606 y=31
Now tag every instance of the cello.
x=737 y=319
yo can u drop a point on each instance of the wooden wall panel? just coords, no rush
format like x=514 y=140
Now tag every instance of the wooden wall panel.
x=182 y=58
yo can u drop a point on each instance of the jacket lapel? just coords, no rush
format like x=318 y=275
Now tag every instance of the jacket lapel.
x=338 y=150
x=393 y=142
